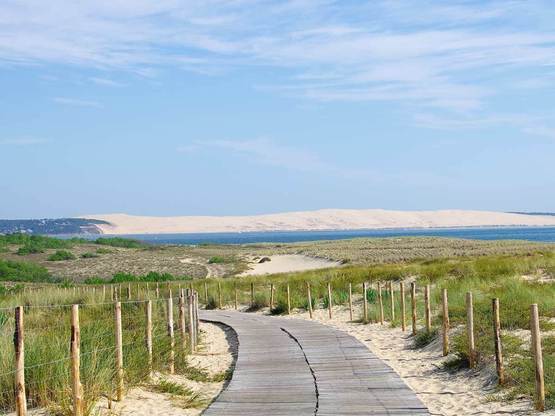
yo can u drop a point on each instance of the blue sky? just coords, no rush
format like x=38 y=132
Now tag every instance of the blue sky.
x=244 y=107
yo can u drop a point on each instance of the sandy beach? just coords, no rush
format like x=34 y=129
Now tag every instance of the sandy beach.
x=325 y=219
x=286 y=263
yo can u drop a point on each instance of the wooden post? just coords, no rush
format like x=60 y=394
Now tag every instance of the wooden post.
x=148 y=335
x=329 y=300
x=19 y=345
x=380 y=302
x=119 y=353
x=364 y=302
x=413 y=306
x=445 y=332
x=103 y=293
x=252 y=294
x=309 y=296
x=206 y=293
x=288 y=301
x=190 y=304
x=537 y=355
x=392 y=301
x=220 y=302
x=403 y=308
x=497 y=341
x=75 y=349
x=236 y=297
x=271 y=297
x=182 y=325
x=428 y=314
x=470 y=330
x=129 y=291
x=157 y=291
x=170 y=332
x=196 y=318
x=350 y=302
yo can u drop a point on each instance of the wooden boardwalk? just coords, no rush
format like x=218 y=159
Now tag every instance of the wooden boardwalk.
x=295 y=367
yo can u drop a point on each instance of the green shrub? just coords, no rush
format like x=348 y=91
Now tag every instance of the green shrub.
x=16 y=271
x=30 y=248
x=216 y=260
x=103 y=250
x=61 y=255
x=120 y=242
x=423 y=337
x=89 y=255
x=95 y=281
x=149 y=277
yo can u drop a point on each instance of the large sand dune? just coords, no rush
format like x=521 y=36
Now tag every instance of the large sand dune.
x=327 y=219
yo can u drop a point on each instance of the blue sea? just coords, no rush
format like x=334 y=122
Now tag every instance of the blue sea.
x=540 y=234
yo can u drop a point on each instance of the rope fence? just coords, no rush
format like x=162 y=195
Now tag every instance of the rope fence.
x=112 y=345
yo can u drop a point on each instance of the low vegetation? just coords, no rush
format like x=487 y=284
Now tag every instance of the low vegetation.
x=15 y=271
x=120 y=242
x=61 y=255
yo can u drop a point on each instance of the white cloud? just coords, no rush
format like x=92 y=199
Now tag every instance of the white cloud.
x=268 y=152
x=364 y=51
x=22 y=141
x=77 y=102
x=106 y=82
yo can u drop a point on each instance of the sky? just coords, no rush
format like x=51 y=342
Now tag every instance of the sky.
x=216 y=107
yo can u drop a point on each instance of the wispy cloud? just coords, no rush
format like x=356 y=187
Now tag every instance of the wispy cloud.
x=106 y=82
x=77 y=102
x=22 y=141
x=269 y=152
x=327 y=50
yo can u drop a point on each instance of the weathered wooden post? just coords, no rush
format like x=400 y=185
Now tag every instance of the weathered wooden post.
x=350 y=302
x=497 y=341
x=148 y=335
x=413 y=306
x=445 y=332
x=364 y=302
x=19 y=346
x=309 y=296
x=170 y=332
x=538 y=358
x=236 y=297
x=157 y=291
x=220 y=302
x=470 y=330
x=271 y=296
x=190 y=304
x=75 y=350
x=252 y=294
x=119 y=352
x=206 y=293
x=403 y=308
x=427 y=311
x=329 y=300
x=392 y=300
x=380 y=302
x=288 y=300
x=129 y=291
x=183 y=325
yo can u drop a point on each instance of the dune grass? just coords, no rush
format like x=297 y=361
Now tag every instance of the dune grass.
x=47 y=340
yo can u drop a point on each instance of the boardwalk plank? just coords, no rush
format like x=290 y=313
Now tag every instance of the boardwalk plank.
x=289 y=367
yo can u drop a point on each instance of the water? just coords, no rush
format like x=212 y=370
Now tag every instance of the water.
x=539 y=234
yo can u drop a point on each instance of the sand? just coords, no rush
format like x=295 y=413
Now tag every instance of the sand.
x=285 y=263
x=327 y=219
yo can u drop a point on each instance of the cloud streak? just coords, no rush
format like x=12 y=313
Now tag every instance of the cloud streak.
x=74 y=102
x=379 y=50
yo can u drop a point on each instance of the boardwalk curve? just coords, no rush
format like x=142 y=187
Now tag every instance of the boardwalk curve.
x=298 y=367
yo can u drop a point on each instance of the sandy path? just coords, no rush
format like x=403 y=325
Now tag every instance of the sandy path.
x=285 y=263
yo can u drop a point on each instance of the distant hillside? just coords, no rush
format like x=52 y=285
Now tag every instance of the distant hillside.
x=326 y=219
x=52 y=226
